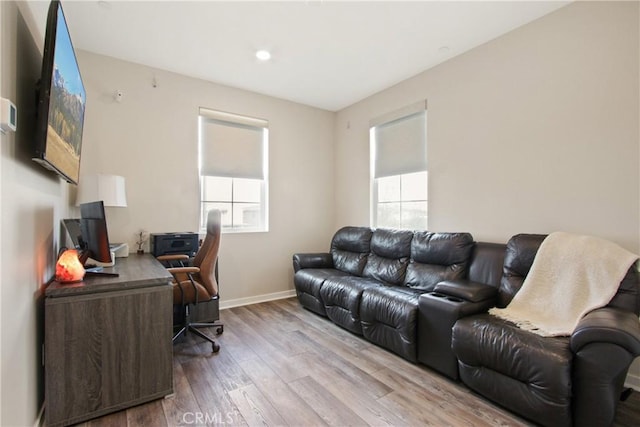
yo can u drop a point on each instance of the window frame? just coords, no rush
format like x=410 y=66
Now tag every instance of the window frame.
x=233 y=120
x=404 y=113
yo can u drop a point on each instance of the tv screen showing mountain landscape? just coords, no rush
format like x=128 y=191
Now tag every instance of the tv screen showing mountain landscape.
x=66 y=106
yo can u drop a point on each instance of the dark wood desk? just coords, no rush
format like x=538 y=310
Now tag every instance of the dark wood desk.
x=108 y=341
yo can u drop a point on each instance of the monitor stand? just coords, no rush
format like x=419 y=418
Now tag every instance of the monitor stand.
x=95 y=270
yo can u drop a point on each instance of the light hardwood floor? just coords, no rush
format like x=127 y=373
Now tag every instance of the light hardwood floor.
x=280 y=364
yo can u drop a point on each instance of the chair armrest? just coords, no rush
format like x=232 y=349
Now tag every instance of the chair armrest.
x=174 y=257
x=467 y=290
x=174 y=260
x=312 y=260
x=183 y=274
x=183 y=270
x=608 y=325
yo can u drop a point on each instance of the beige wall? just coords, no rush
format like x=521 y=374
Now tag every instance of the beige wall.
x=536 y=131
x=33 y=202
x=151 y=139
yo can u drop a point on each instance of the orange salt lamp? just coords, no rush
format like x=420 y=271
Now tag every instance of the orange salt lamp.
x=69 y=268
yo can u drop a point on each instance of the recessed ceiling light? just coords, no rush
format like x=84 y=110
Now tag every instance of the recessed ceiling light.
x=263 y=55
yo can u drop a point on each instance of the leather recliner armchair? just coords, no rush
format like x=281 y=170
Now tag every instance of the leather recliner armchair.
x=554 y=381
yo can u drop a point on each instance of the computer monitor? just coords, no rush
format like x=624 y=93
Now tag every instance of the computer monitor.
x=72 y=225
x=94 y=236
x=89 y=236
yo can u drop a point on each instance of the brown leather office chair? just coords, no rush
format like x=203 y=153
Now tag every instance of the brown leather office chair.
x=197 y=283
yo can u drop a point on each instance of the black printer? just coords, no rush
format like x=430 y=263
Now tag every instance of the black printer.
x=174 y=243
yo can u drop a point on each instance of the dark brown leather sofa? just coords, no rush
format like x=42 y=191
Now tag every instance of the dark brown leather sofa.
x=425 y=296
x=553 y=381
x=370 y=281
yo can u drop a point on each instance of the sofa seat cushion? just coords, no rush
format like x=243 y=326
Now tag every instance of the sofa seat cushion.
x=527 y=373
x=341 y=297
x=308 y=282
x=389 y=318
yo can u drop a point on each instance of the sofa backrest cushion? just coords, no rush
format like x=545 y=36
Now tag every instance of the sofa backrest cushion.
x=486 y=263
x=436 y=257
x=519 y=256
x=520 y=253
x=390 y=251
x=628 y=296
x=349 y=249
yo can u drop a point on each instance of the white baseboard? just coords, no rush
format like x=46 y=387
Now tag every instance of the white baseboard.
x=632 y=381
x=256 y=299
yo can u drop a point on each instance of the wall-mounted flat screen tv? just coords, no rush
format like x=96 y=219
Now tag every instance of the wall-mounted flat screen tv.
x=61 y=101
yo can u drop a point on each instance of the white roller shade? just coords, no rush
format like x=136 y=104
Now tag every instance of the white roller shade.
x=401 y=145
x=231 y=145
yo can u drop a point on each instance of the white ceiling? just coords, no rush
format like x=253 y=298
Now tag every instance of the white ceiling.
x=327 y=54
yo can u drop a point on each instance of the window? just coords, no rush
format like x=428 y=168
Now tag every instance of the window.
x=399 y=177
x=233 y=155
x=402 y=201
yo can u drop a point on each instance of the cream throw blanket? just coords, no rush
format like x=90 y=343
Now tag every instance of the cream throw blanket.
x=570 y=276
